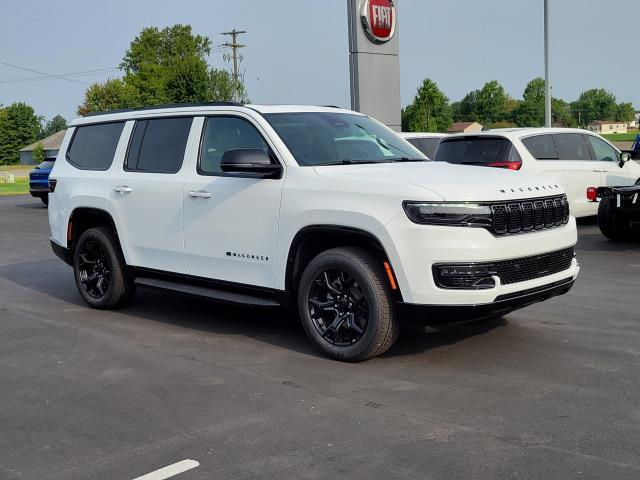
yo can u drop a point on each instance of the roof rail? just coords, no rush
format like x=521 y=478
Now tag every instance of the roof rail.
x=167 y=105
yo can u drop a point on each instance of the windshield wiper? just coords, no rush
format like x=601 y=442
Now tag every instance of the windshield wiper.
x=351 y=162
x=407 y=159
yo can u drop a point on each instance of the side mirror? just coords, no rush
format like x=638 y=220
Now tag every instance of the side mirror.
x=624 y=158
x=250 y=162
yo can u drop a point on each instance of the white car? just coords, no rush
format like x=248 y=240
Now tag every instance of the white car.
x=319 y=208
x=426 y=142
x=575 y=158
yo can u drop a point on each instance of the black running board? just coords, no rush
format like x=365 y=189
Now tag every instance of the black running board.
x=207 y=292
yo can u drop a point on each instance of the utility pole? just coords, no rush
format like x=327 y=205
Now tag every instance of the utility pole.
x=547 y=79
x=234 y=45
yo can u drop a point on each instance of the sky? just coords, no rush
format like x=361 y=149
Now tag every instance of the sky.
x=297 y=50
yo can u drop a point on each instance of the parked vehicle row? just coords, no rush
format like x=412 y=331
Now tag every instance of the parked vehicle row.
x=39 y=180
x=319 y=208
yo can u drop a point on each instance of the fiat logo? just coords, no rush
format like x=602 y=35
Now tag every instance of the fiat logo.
x=379 y=19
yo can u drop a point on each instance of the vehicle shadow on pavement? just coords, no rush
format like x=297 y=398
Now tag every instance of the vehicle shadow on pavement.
x=415 y=339
x=31 y=203
x=275 y=326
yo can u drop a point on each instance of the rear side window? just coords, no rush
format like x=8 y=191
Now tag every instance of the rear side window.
x=93 y=146
x=474 y=150
x=572 y=146
x=158 y=145
x=542 y=147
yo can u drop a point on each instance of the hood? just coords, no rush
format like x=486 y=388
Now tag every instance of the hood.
x=451 y=182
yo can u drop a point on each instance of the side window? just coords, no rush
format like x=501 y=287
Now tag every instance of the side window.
x=572 y=146
x=158 y=145
x=429 y=146
x=222 y=134
x=542 y=147
x=602 y=150
x=93 y=146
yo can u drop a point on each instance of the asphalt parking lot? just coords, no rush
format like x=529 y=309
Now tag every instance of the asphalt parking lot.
x=551 y=391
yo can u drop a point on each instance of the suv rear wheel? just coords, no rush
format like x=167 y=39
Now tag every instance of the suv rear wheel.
x=100 y=270
x=345 y=305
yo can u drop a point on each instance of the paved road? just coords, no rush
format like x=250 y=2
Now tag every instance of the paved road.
x=552 y=391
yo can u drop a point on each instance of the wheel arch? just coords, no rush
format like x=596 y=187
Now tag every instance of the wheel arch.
x=313 y=239
x=83 y=218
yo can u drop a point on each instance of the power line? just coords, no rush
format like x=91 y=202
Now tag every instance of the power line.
x=70 y=74
x=235 y=46
x=42 y=73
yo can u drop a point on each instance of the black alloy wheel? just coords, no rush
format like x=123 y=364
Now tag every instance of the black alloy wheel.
x=94 y=269
x=338 y=307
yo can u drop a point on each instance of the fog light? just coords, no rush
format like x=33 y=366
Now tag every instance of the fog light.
x=469 y=276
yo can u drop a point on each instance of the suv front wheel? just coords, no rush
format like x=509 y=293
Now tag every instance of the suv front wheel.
x=345 y=305
x=100 y=270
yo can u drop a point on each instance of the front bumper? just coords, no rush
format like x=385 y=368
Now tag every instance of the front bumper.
x=417 y=248
x=504 y=304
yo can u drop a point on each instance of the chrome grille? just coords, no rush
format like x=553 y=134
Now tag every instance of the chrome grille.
x=528 y=215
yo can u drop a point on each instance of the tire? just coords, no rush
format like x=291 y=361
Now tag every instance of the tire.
x=45 y=199
x=359 y=336
x=609 y=224
x=97 y=249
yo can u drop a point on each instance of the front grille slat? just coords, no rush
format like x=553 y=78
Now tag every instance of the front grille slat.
x=537 y=266
x=528 y=215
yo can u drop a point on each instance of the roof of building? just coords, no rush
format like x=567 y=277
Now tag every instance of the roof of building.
x=52 y=142
x=459 y=126
x=605 y=122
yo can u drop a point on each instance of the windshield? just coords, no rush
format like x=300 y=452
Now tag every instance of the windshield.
x=474 y=150
x=46 y=165
x=325 y=138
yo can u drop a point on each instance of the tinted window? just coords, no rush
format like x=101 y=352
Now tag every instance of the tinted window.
x=572 y=146
x=158 y=145
x=473 y=150
x=602 y=150
x=425 y=145
x=320 y=138
x=46 y=165
x=541 y=147
x=226 y=133
x=93 y=146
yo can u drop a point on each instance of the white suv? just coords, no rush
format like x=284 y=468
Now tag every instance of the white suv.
x=320 y=208
x=575 y=158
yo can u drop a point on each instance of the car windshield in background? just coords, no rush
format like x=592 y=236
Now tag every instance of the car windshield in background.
x=473 y=150
x=46 y=165
x=325 y=138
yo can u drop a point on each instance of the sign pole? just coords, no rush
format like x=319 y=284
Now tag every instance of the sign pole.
x=547 y=81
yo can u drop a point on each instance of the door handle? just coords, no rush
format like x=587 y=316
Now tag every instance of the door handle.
x=200 y=194
x=598 y=170
x=122 y=189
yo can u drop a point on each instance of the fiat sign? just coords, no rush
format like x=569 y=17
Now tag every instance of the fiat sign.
x=378 y=19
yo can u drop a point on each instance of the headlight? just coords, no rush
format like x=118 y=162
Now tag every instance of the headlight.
x=453 y=214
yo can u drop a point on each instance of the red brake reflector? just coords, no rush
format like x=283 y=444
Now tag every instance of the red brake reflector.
x=592 y=194
x=507 y=165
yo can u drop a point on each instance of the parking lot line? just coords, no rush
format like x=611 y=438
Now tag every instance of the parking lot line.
x=170 y=471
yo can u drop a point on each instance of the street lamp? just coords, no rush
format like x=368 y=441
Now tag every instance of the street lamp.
x=547 y=83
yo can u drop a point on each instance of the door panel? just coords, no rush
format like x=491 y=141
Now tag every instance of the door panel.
x=146 y=194
x=608 y=160
x=231 y=223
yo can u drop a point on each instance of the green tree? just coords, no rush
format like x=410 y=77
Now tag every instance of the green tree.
x=561 y=113
x=625 y=112
x=467 y=111
x=429 y=112
x=530 y=112
x=111 y=95
x=56 y=124
x=19 y=127
x=166 y=65
x=38 y=153
x=595 y=104
x=491 y=101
